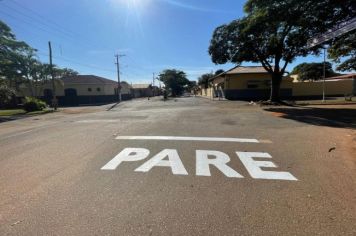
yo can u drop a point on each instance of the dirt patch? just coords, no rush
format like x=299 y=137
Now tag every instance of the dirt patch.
x=79 y=111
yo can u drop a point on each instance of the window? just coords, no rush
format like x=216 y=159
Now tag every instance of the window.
x=89 y=89
x=98 y=89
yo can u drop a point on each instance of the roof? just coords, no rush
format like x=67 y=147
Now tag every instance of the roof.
x=242 y=70
x=140 y=86
x=348 y=76
x=87 y=79
x=246 y=70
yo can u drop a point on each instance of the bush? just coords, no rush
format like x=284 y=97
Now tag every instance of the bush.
x=7 y=97
x=33 y=104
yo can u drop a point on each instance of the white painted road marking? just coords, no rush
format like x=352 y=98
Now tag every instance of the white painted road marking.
x=202 y=163
x=254 y=167
x=220 y=160
x=173 y=161
x=180 y=138
x=128 y=154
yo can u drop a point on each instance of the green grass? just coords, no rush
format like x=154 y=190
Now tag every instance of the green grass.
x=39 y=112
x=14 y=112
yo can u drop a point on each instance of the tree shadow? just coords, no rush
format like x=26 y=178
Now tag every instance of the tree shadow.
x=332 y=117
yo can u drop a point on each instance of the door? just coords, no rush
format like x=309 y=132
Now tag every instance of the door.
x=70 y=97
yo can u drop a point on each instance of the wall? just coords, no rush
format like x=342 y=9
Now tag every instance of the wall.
x=82 y=89
x=206 y=92
x=237 y=86
x=142 y=92
x=106 y=93
x=315 y=89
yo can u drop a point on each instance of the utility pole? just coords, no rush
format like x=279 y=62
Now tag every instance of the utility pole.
x=118 y=77
x=324 y=74
x=153 y=85
x=54 y=98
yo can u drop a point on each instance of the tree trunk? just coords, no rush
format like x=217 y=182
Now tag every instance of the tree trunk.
x=275 y=88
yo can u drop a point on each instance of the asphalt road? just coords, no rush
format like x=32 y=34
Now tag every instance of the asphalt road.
x=52 y=181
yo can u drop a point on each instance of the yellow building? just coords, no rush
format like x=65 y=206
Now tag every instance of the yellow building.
x=78 y=90
x=254 y=82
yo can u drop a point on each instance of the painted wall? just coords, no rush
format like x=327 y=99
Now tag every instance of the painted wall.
x=257 y=86
x=205 y=92
x=82 y=89
x=332 y=88
x=86 y=93
x=142 y=92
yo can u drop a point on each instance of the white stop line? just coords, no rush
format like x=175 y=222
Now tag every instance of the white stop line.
x=182 y=138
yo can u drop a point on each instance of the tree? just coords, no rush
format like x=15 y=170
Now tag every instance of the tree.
x=191 y=86
x=64 y=72
x=175 y=80
x=12 y=52
x=345 y=46
x=218 y=72
x=19 y=64
x=204 y=79
x=7 y=97
x=275 y=32
x=313 y=71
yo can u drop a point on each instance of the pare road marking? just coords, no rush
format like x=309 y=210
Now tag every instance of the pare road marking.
x=204 y=160
x=182 y=138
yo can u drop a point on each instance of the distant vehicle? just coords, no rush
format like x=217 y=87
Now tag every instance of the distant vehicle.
x=187 y=94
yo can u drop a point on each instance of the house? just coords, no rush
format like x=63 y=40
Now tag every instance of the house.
x=245 y=83
x=141 y=90
x=254 y=82
x=80 y=90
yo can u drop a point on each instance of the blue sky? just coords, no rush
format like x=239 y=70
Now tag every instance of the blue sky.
x=153 y=34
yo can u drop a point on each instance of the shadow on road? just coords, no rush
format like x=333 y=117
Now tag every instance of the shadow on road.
x=332 y=117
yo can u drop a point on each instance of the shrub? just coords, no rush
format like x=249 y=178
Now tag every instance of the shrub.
x=7 y=97
x=33 y=104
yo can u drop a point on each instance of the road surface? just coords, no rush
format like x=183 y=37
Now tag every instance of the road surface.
x=188 y=166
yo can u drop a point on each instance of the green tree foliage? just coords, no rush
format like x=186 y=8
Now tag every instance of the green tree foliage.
x=175 y=80
x=275 y=32
x=65 y=72
x=342 y=47
x=218 y=72
x=33 y=104
x=313 y=71
x=191 y=86
x=204 y=79
x=19 y=64
x=12 y=52
x=7 y=97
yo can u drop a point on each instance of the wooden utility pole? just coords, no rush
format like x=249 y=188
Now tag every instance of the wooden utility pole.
x=118 y=77
x=54 y=98
x=153 y=85
x=324 y=74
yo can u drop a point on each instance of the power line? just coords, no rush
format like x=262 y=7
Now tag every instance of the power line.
x=78 y=63
x=44 y=25
x=40 y=16
x=35 y=19
x=73 y=33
